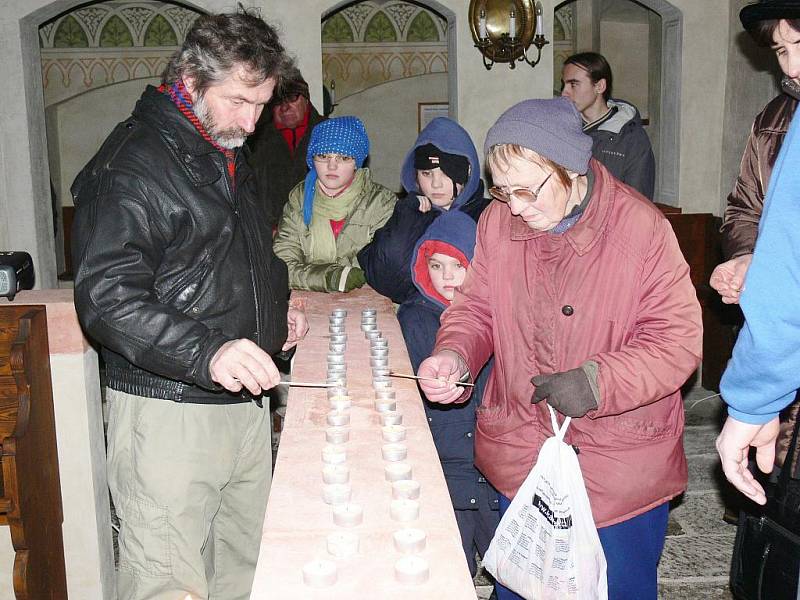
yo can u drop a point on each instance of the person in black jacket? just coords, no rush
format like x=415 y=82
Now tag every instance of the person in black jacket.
x=280 y=142
x=441 y=172
x=441 y=258
x=620 y=141
x=176 y=281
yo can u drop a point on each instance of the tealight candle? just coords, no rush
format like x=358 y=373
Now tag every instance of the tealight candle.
x=391 y=417
x=348 y=515
x=340 y=403
x=337 y=435
x=377 y=362
x=338 y=321
x=336 y=493
x=334 y=455
x=380 y=372
x=336 y=359
x=336 y=473
x=321 y=573
x=379 y=383
x=337 y=347
x=369 y=312
x=409 y=540
x=335 y=368
x=379 y=352
x=411 y=570
x=397 y=471
x=338 y=338
x=393 y=433
x=405 y=488
x=373 y=334
x=338 y=418
x=337 y=391
x=339 y=380
x=342 y=544
x=384 y=394
x=335 y=329
x=404 y=509
x=339 y=312
x=385 y=405
x=369 y=326
x=394 y=452
x=379 y=343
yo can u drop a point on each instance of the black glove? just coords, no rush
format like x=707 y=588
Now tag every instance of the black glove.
x=570 y=392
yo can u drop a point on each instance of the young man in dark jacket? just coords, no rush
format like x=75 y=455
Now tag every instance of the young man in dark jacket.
x=441 y=258
x=619 y=140
x=279 y=144
x=441 y=172
x=178 y=284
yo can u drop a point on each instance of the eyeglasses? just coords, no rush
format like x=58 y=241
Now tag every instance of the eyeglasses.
x=337 y=158
x=522 y=194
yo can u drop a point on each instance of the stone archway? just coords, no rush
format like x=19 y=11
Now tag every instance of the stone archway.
x=25 y=195
x=667 y=139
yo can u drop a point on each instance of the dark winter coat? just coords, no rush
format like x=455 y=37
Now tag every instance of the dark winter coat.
x=452 y=426
x=172 y=259
x=277 y=168
x=622 y=145
x=386 y=261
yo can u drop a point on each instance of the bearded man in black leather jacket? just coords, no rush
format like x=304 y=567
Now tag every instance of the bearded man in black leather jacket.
x=177 y=281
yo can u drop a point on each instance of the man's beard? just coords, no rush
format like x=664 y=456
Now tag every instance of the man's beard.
x=227 y=138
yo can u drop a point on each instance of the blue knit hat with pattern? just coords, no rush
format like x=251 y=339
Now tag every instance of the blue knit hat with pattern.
x=341 y=135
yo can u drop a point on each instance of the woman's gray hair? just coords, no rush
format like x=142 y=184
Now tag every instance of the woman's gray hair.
x=217 y=45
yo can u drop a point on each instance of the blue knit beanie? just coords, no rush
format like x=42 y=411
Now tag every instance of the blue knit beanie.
x=551 y=128
x=342 y=135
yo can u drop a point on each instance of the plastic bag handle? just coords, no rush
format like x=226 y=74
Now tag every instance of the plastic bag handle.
x=559 y=431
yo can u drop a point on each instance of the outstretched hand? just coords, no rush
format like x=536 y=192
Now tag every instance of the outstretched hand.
x=728 y=278
x=733 y=446
x=441 y=372
x=242 y=363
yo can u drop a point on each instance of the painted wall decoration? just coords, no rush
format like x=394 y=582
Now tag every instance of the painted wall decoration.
x=564 y=41
x=109 y=42
x=371 y=43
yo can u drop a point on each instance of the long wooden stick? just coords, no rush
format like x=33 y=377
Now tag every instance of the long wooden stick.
x=307 y=384
x=407 y=376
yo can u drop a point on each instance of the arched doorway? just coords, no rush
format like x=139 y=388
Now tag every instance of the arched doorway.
x=642 y=40
x=96 y=59
x=375 y=51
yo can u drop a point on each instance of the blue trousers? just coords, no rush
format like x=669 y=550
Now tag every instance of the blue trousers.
x=632 y=548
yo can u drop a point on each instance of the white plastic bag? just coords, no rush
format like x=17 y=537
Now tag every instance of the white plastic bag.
x=546 y=545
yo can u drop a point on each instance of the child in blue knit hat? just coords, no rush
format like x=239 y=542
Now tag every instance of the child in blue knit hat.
x=333 y=213
x=439 y=267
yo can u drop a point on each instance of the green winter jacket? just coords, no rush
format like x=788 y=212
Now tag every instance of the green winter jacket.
x=293 y=241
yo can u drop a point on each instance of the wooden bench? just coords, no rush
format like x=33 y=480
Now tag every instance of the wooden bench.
x=30 y=491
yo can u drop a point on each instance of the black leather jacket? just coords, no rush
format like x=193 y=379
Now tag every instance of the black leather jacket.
x=173 y=259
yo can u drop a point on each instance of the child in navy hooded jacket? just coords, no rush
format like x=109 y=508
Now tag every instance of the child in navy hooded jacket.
x=443 y=151
x=441 y=257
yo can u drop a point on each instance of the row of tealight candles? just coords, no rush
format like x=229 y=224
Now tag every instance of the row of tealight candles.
x=336 y=491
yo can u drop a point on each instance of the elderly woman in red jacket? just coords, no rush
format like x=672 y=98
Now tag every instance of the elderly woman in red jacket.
x=580 y=291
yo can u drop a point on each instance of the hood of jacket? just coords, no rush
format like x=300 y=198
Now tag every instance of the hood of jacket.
x=627 y=114
x=450 y=137
x=453 y=233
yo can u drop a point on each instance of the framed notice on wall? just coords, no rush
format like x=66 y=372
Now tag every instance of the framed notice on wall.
x=428 y=111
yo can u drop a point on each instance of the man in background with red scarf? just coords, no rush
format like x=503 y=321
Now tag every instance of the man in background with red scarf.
x=280 y=142
x=177 y=283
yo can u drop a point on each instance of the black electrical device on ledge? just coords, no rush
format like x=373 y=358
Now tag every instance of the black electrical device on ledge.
x=16 y=273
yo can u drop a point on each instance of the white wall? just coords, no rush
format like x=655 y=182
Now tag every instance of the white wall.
x=395 y=104
x=626 y=47
x=83 y=122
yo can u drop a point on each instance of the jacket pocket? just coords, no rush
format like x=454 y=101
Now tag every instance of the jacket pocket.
x=184 y=290
x=144 y=537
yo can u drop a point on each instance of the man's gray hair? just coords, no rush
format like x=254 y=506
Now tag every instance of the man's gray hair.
x=217 y=45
